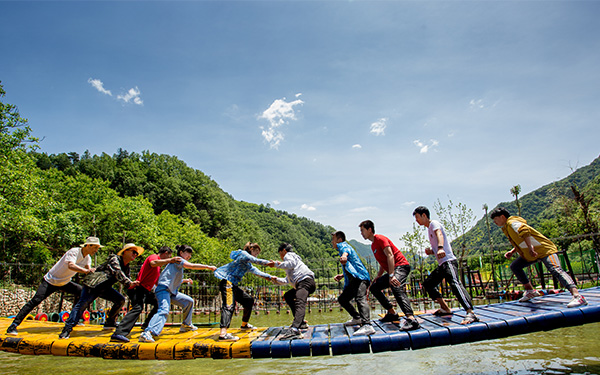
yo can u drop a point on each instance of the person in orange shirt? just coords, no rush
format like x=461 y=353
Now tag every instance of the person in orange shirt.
x=532 y=247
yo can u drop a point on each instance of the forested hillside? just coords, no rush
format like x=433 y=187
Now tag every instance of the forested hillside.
x=553 y=209
x=49 y=203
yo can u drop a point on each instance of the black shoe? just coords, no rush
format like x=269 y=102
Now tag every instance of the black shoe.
x=65 y=334
x=410 y=324
x=389 y=318
x=118 y=338
x=12 y=330
x=109 y=326
x=292 y=334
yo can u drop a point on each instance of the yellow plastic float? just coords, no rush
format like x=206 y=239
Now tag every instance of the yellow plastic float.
x=41 y=337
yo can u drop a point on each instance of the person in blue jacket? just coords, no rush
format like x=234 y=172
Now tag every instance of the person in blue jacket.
x=230 y=275
x=356 y=285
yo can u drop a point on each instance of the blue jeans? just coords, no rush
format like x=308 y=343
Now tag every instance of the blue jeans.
x=165 y=298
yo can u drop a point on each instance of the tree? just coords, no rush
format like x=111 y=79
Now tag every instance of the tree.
x=457 y=219
x=515 y=191
x=415 y=242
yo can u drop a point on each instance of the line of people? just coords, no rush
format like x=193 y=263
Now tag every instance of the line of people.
x=161 y=289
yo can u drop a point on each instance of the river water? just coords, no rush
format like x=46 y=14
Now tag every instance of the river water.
x=574 y=350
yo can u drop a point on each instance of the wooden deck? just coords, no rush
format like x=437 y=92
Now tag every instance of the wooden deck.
x=497 y=320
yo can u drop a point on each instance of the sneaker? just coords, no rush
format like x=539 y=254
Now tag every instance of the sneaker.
x=304 y=325
x=578 y=300
x=248 y=327
x=470 y=318
x=353 y=322
x=528 y=295
x=186 y=328
x=146 y=337
x=12 y=330
x=388 y=318
x=409 y=324
x=118 y=338
x=65 y=334
x=365 y=330
x=228 y=337
x=292 y=334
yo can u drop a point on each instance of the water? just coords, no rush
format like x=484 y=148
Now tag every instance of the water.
x=574 y=350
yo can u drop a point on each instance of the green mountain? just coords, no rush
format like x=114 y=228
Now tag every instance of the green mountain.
x=542 y=208
x=364 y=251
x=171 y=186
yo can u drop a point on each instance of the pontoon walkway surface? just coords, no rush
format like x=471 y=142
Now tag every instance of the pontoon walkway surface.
x=497 y=320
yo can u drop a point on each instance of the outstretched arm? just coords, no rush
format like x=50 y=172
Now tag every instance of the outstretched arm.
x=198 y=266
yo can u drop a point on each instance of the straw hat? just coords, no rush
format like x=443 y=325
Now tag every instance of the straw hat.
x=91 y=241
x=131 y=246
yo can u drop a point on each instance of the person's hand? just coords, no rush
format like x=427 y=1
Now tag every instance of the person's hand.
x=188 y=281
x=270 y=264
x=343 y=259
x=338 y=277
x=91 y=270
x=212 y=268
x=394 y=281
x=533 y=253
x=440 y=254
x=134 y=284
x=175 y=260
x=428 y=251
x=508 y=254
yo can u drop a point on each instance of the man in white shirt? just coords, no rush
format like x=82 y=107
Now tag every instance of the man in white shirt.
x=75 y=260
x=447 y=268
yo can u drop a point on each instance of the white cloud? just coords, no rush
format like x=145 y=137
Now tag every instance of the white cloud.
x=307 y=207
x=408 y=204
x=363 y=209
x=132 y=95
x=276 y=202
x=357 y=146
x=279 y=113
x=378 y=127
x=99 y=85
x=476 y=104
x=424 y=148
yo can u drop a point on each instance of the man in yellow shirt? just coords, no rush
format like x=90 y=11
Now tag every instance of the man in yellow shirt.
x=532 y=247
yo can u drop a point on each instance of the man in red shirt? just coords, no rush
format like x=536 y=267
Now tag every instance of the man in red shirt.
x=396 y=268
x=144 y=292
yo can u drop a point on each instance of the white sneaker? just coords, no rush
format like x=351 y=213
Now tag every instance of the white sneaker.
x=353 y=322
x=365 y=330
x=146 y=337
x=577 y=301
x=186 y=328
x=528 y=295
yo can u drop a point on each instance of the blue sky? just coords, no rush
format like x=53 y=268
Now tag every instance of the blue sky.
x=334 y=110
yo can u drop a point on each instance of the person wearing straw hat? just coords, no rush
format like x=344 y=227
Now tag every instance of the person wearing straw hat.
x=99 y=284
x=143 y=294
x=75 y=260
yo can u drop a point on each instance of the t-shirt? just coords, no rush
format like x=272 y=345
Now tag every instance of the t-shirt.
x=148 y=276
x=433 y=240
x=354 y=265
x=380 y=242
x=171 y=277
x=60 y=274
